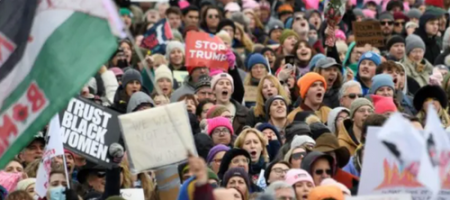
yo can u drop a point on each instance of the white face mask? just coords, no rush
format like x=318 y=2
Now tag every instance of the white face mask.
x=58 y=193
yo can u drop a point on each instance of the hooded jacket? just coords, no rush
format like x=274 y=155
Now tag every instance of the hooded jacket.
x=346 y=137
x=332 y=116
x=310 y=158
x=432 y=47
x=120 y=100
x=240 y=117
x=187 y=88
x=421 y=76
x=346 y=63
x=137 y=99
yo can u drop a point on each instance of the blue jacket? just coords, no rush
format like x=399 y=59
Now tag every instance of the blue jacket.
x=350 y=168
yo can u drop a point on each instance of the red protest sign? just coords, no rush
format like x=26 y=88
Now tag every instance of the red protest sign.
x=203 y=49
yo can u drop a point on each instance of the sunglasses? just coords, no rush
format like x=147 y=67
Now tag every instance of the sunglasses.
x=298 y=156
x=354 y=95
x=387 y=23
x=399 y=23
x=321 y=171
x=213 y=16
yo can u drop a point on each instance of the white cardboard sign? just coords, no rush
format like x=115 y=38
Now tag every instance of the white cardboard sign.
x=132 y=194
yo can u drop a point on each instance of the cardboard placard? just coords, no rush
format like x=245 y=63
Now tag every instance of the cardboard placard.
x=368 y=32
x=203 y=49
x=382 y=197
x=132 y=194
x=157 y=137
x=250 y=93
x=88 y=129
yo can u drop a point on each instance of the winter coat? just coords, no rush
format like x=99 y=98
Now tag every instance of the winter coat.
x=110 y=84
x=332 y=116
x=432 y=47
x=331 y=98
x=187 y=88
x=350 y=167
x=418 y=71
x=240 y=117
x=322 y=112
x=346 y=137
x=121 y=101
x=346 y=178
x=252 y=120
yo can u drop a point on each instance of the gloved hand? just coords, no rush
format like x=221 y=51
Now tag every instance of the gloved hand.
x=116 y=152
x=231 y=59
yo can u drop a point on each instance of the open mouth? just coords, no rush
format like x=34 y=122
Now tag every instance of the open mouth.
x=395 y=81
x=225 y=93
x=303 y=24
x=319 y=95
x=305 y=196
x=133 y=91
x=165 y=89
x=270 y=94
x=253 y=153
x=303 y=53
x=330 y=80
x=280 y=110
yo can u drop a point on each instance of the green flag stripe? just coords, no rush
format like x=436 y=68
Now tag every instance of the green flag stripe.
x=69 y=57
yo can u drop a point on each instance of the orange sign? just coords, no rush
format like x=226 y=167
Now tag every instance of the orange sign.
x=203 y=49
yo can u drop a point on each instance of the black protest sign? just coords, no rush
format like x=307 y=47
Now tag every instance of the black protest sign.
x=88 y=130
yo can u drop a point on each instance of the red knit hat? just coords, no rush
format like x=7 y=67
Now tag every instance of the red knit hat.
x=305 y=82
x=437 y=3
x=383 y=104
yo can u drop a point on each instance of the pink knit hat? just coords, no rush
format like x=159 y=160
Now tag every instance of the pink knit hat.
x=117 y=71
x=383 y=104
x=369 y=13
x=250 y=4
x=219 y=76
x=217 y=122
x=339 y=34
x=232 y=7
x=183 y=4
x=297 y=175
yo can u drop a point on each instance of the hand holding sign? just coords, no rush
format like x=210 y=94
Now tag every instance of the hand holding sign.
x=203 y=49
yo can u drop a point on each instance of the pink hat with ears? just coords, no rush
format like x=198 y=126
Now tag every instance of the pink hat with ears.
x=339 y=34
x=183 y=4
x=369 y=13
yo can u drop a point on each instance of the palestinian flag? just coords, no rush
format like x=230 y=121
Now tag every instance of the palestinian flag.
x=48 y=51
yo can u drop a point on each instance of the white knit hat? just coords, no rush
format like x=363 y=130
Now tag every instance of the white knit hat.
x=163 y=72
x=219 y=76
x=299 y=140
x=171 y=45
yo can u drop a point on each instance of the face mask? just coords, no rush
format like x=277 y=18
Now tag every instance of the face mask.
x=57 y=193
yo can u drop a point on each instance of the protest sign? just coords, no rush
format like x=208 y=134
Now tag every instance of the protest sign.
x=180 y=76
x=250 y=93
x=383 y=173
x=132 y=194
x=88 y=129
x=53 y=148
x=381 y=197
x=205 y=50
x=368 y=32
x=155 y=38
x=157 y=137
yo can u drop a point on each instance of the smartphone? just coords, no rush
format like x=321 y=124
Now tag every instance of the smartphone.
x=289 y=59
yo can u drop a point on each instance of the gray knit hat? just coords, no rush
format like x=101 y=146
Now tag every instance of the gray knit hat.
x=358 y=103
x=386 y=15
x=413 y=41
x=131 y=75
x=269 y=103
x=273 y=25
x=172 y=45
x=414 y=13
x=381 y=80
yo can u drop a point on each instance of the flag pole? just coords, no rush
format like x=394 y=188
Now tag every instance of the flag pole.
x=65 y=171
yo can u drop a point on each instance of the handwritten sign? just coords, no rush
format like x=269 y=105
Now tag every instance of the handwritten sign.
x=157 y=137
x=368 y=32
x=250 y=93
x=203 y=49
x=382 y=197
x=132 y=194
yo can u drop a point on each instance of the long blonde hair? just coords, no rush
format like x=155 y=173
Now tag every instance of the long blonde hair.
x=245 y=40
x=260 y=101
x=147 y=184
x=239 y=142
x=443 y=116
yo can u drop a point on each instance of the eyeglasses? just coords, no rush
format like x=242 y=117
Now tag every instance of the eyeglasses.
x=223 y=130
x=384 y=23
x=399 y=23
x=354 y=95
x=279 y=170
x=322 y=171
x=213 y=16
x=298 y=156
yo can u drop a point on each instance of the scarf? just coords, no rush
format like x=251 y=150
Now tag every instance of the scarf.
x=254 y=81
x=258 y=166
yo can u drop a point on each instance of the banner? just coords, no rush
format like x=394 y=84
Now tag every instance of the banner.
x=88 y=129
x=157 y=137
x=382 y=173
x=203 y=49
x=155 y=38
x=53 y=148
x=48 y=51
